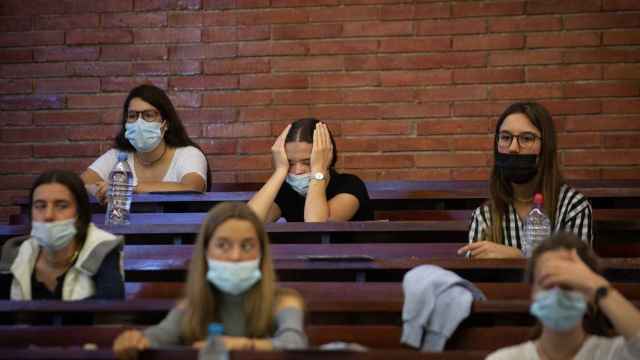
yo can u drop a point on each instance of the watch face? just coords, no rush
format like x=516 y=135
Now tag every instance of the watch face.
x=318 y=176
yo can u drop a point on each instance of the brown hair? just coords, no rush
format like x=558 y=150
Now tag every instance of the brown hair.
x=200 y=296
x=548 y=179
x=594 y=322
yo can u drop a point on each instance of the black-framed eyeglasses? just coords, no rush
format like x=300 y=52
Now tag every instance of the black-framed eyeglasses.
x=150 y=115
x=525 y=139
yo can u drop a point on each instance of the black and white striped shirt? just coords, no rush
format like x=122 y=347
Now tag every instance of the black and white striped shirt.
x=573 y=214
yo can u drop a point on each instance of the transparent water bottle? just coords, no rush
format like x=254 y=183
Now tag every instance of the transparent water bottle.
x=536 y=228
x=120 y=192
x=214 y=349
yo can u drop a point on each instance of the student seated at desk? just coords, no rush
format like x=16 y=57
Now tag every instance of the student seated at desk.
x=231 y=281
x=525 y=163
x=66 y=257
x=305 y=185
x=573 y=303
x=161 y=154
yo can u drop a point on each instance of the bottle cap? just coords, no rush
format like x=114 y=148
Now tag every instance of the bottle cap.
x=215 y=329
x=538 y=199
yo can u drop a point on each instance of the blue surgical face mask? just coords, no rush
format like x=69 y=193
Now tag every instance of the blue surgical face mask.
x=55 y=235
x=234 y=277
x=558 y=309
x=299 y=183
x=143 y=135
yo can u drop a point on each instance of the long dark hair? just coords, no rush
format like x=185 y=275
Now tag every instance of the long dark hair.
x=595 y=322
x=75 y=185
x=174 y=136
x=548 y=179
x=302 y=130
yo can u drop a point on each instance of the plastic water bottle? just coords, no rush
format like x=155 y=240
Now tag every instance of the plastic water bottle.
x=214 y=349
x=120 y=192
x=537 y=227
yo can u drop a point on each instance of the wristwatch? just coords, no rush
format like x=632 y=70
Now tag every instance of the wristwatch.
x=601 y=293
x=318 y=176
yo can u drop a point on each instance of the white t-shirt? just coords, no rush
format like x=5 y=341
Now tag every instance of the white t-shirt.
x=594 y=348
x=186 y=160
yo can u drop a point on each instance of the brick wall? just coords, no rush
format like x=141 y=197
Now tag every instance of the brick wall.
x=410 y=88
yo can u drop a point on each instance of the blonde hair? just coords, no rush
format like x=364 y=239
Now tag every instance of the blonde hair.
x=201 y=298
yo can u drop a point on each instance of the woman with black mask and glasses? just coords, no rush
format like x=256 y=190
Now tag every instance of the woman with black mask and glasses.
x=160 y=153
x=525 y=163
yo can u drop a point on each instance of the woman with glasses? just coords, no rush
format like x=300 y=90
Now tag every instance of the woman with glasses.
x=161 y=154
x=525 y=164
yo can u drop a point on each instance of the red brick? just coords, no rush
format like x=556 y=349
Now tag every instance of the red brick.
x=415 y=110
x=111 y=116
x=488 y=75
x=31 y=134
x=452 y=159
x=14 y=150
x=564 y=106
x=380 y=161
x=307 y=97
x=310 y=63
x=134 y=52
x=305 y=3
x=203 y=51
x=217 y=147
x=255 y=146
x=185 y=67
x=621 y=106
x=270 y=49
x=18 y=8
x=621 y=173
x=451 y=27
x=81 y=6
x=528 y=23
x=600 y=89
x=99 y=68
x=524 y=57
x=343 y=47
x=359 y=144
x=66 y=150
x=194 y=131
x=379 y=95
x=66 y=118
x=574 y=173
x=273 y=82
x=414 y=144
x=95 y=101
x=479 y=108
x=15 y=118
x=208 y=116
x=170 y=35
x=33 y=38
x=415 y=44
x=237 y=66
x=16 y=24
x=311 y=31
x=563 y=39
x=66 y=53
x=603 y=123
x=16 y=182
x=621 y=5
x=134 y=20
x=252 y=162
x=8 y=86
x=66 y=22
x=621 y=140
x=219 y=4
x=411 y=78
x=88 y=37
x=219 y=18
x=421 y=11
x=482 y=42
x=342 y=80
x=470 y=174
x=622 y=71
x=259 y=32
x=625 y=37
x=415 y=62
x=184 y=19
x=190 y=100
x=31 y=102
x=601 y=157
x=601 y=55
x=455 y=126
x=579 y=140
x=67 y=85
x=601 y=21
x=467 y=9
x=125 y=84
x=16 y=55
x=558 y=7
x=410 y=175
x=220 y=34
x=86 y=133
x=229 y=177
x=525 y=91
x=470 y=143
x=151 y=68
x=148 y=5
x=448 y=93
x=564 y=73
x=375 y=127
x=344 y=13
x=236 y=98
x=272 y=16
x=203 y=82
x=366 y=28
x=345 y=112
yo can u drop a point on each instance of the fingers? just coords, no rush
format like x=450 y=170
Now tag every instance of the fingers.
x=470 y=247
x=128 y=344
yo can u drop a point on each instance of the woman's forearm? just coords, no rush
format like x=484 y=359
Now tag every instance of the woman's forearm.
x=263 y=200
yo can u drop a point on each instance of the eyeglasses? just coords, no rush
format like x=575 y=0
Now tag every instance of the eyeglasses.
x=147 y=115
x=525 y=139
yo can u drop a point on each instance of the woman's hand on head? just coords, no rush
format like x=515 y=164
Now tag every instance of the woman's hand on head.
x=322 y=150
x=280 y=160
x=129 y=343
x=489 y=250
x=556 y=270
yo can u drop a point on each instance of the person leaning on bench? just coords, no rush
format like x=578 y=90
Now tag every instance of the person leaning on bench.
x=161 y=154
x=231 y=281
x=575 y=307
x=305 y=185
x=525 y=163
x=65 y=257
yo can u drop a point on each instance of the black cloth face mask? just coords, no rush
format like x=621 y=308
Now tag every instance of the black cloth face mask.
x=516 y=168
